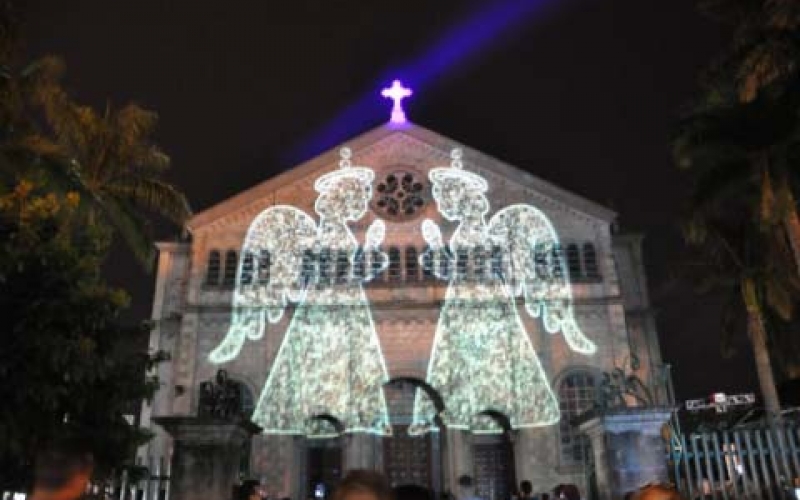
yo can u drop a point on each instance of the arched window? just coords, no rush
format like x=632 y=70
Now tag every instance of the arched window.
x=247 y=269
x=558 y=261
x=576 y=395
x=540 y=261
x=309 y=267
x=342 y=266
x=358 y=266
x=498 y=266
x=478 y=263
x=375 y=263
x=325 y=265
x=394 y=264
x=574 y=261
x=443 y=263
x=212 y=272
x=231 y=261
x=590 y=261
x=412 y=264
x=264 y=263
x=462 y=262
x=427 y=263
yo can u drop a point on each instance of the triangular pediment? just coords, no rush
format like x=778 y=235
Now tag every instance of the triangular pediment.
x=387 y=147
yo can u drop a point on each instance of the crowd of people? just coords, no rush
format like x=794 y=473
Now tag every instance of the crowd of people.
x=64 y=473
x=372 y=485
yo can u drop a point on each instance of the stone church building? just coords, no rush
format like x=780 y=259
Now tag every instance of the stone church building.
x=195 y=290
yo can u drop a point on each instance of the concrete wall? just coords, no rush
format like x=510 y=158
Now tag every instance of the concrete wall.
x=193 y=318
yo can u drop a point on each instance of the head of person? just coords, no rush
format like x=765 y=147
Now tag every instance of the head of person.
x=567 y=492
x=526 y=488
x=249 y=490
x=363 y=485
x=656 y=492
x=466 y=485
x=62 y=471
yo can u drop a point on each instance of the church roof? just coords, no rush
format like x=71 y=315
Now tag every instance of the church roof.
x=429 y=137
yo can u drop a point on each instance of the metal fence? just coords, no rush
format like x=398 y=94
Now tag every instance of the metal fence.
x=149 y=480
x=755 y=463
x=153 y=486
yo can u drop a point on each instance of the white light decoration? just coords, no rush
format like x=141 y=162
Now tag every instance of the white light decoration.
x=483 y=359
x=330 y=361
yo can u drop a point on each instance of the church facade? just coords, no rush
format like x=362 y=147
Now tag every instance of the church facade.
x=410 y=305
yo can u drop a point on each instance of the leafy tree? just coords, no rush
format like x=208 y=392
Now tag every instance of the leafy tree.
x=67 y=366
x=70 y=179
x=752 y=266
x=108 y=156
x=740 y=142
x=745 y=126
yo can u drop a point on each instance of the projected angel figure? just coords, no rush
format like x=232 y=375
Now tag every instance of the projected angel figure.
x=330 y=362
x=483 y=359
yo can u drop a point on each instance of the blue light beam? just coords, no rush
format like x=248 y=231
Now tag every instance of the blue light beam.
x=454 y=47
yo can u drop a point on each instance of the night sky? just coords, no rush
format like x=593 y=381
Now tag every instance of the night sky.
x=579 y=92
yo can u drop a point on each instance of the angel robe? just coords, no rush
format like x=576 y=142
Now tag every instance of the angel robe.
x=483 y=359
x=330 y=361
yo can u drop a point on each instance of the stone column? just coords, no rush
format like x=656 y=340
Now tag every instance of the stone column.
x=628 y=449
x=206 y=456
x=458 y=458
x=362 y=451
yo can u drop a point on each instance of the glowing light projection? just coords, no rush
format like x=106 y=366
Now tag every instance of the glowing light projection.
x=483 y=359
x=330 y=361
x=397 y=93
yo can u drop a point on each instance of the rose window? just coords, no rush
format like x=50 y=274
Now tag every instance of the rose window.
x=400 y=194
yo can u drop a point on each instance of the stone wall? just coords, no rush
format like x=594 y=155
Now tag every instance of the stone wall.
x=193 y=318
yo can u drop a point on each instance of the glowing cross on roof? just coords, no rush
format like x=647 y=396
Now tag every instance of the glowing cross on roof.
x=397 y=93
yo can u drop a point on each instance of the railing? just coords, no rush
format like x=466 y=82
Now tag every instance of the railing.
x=757 y=463
x=153 y=486
x=146 y=481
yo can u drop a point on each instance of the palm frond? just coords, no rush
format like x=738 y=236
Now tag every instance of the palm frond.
x=783 y=14
x=779 y=299
x=152 y=194
x=133 y=228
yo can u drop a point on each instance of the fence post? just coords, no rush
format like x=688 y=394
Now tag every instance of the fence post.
x=628 y=449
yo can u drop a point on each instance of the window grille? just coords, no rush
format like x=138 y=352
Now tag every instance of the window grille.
x=212 y=272
x=576 y=394
x=231 y=262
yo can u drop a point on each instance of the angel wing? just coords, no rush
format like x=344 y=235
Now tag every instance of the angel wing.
x=268 y=275
x=537 y=271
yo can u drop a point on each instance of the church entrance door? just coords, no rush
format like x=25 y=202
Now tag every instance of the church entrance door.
x=494 y=468
x=324 y=467
x=408 y=460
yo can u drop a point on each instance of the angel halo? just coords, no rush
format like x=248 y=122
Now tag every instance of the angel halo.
x=456 y=171
x=346 y=171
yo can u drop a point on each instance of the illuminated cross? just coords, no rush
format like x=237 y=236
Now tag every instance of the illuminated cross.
x=397 y=93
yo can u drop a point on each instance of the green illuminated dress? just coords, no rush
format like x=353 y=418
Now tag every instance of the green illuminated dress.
x=329 y=367
x=483 y=359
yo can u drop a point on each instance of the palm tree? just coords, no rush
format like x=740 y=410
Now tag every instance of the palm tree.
x=748 y=118
x=752 y=265
x=741 y=144
x=106 y=157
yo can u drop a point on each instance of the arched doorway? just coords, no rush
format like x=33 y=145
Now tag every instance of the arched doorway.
x=493 y=455
x=412 y=462
x=324 y=456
